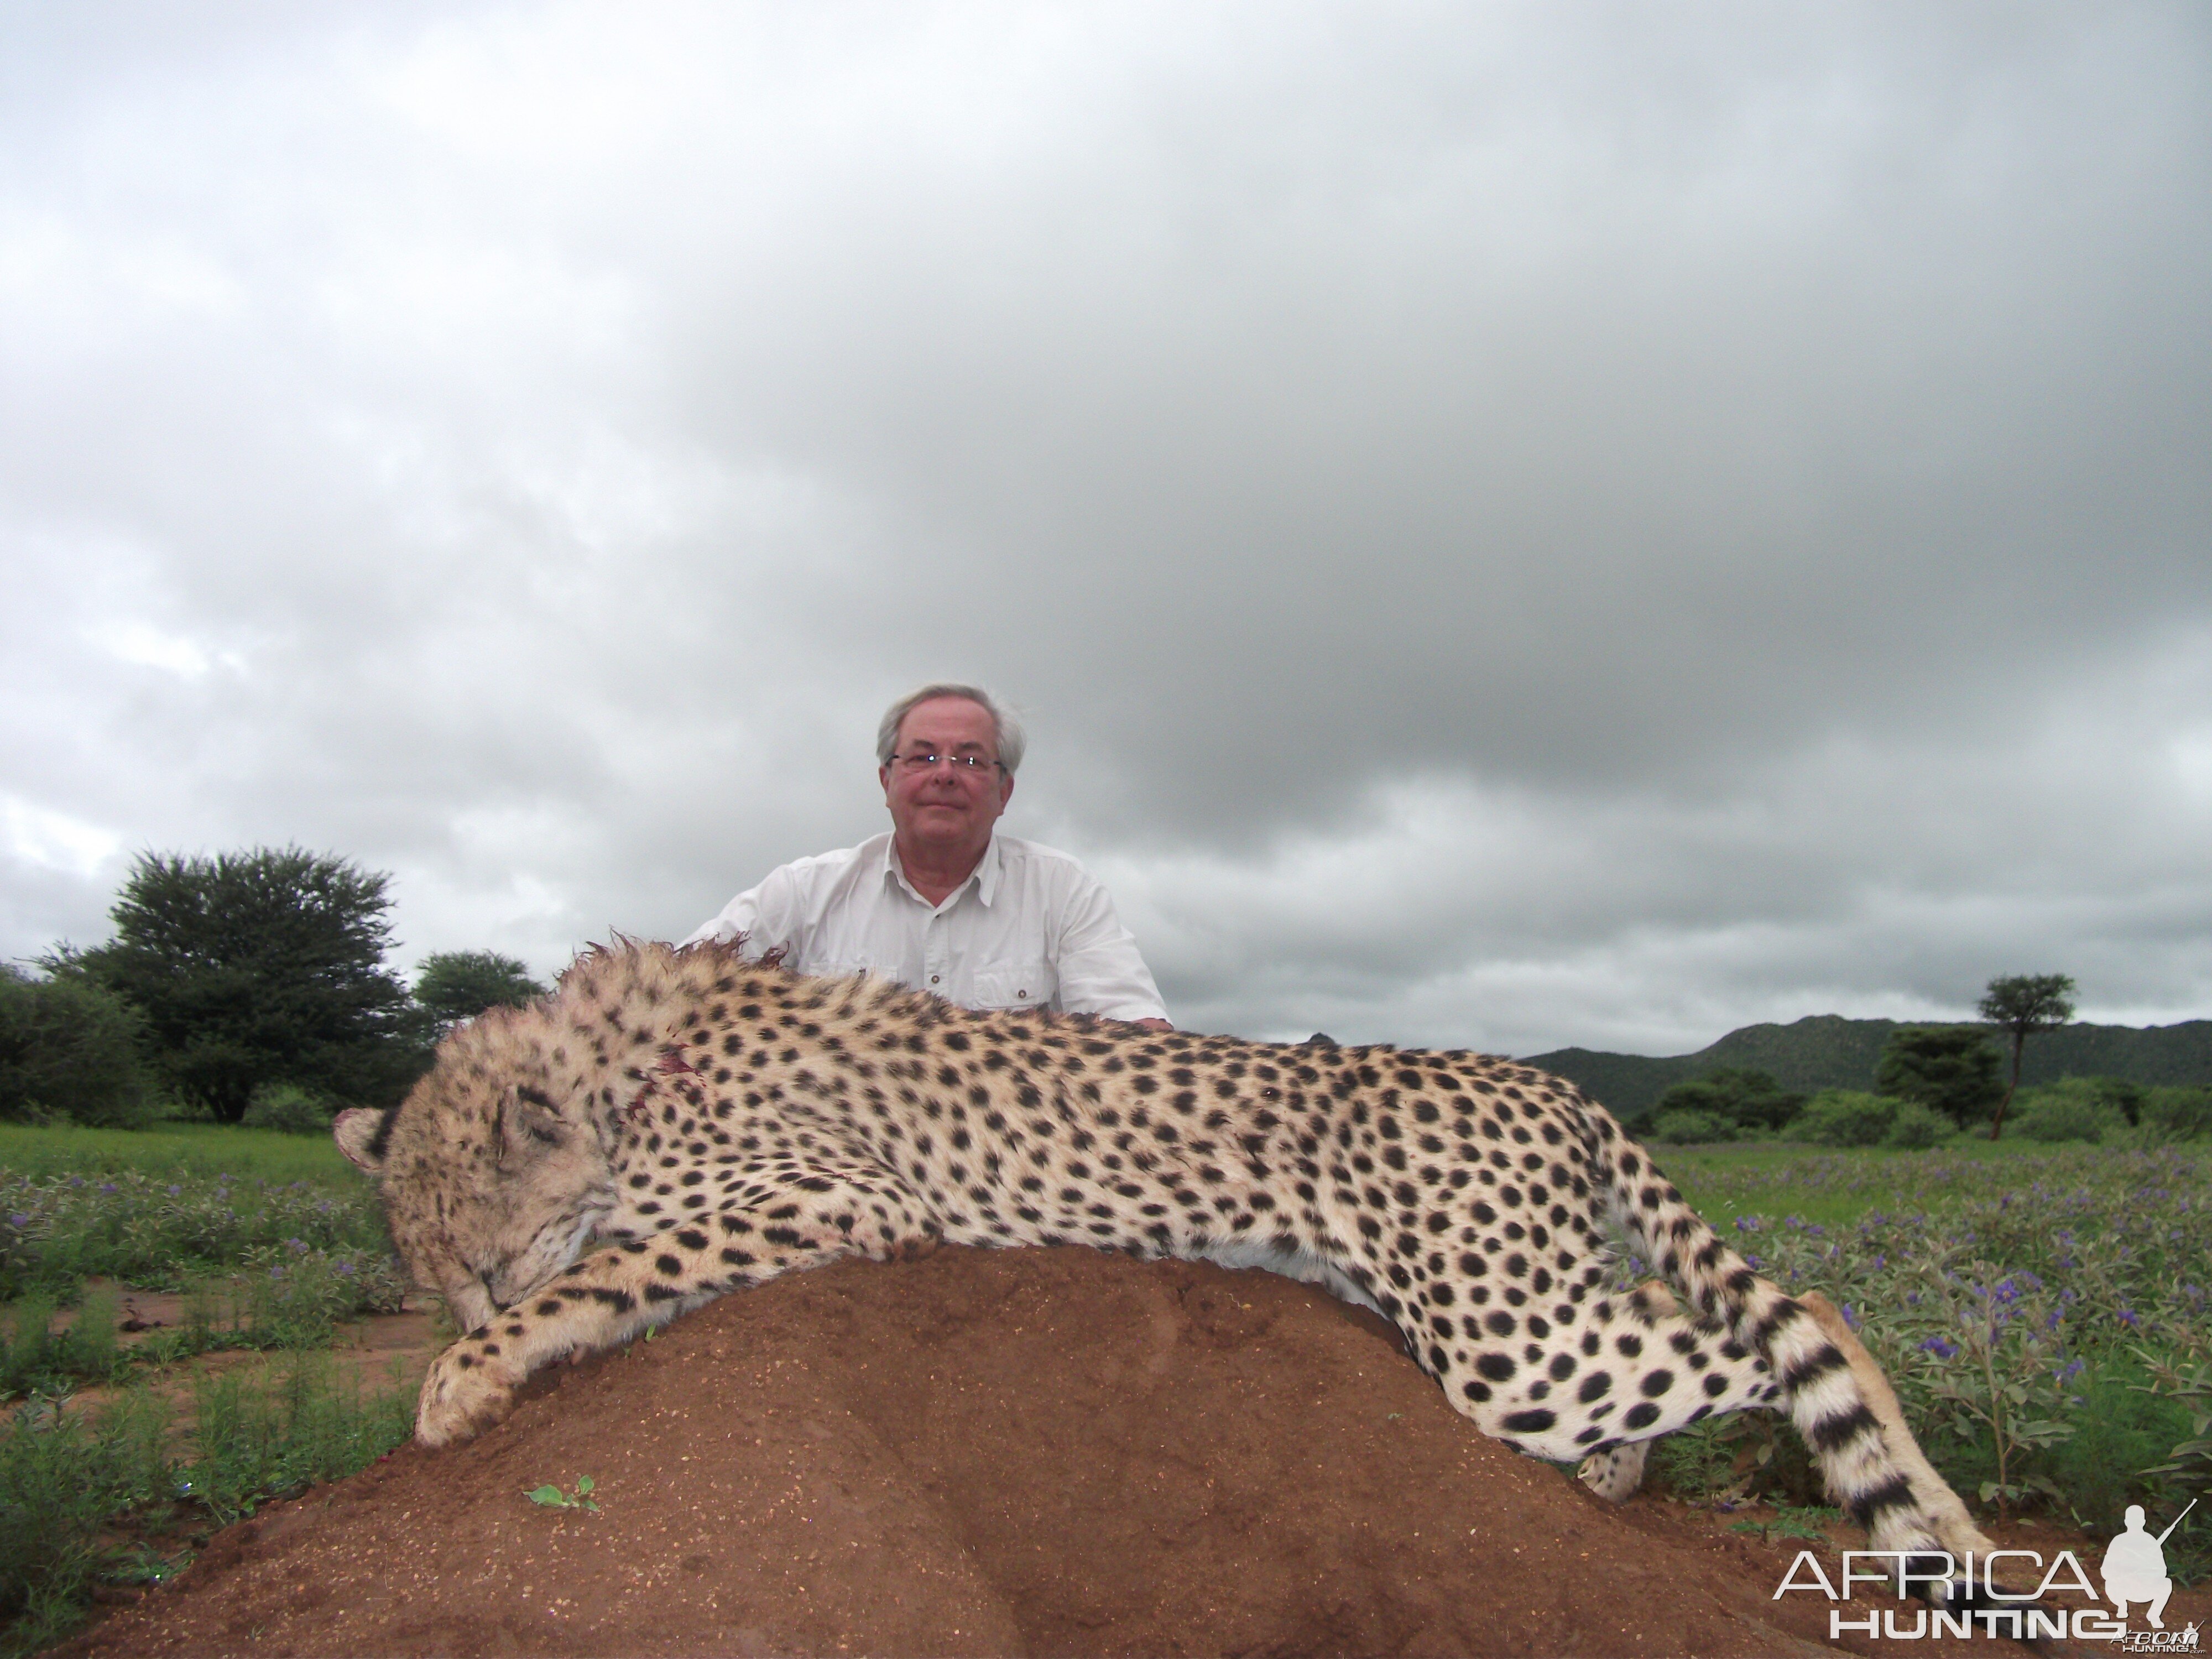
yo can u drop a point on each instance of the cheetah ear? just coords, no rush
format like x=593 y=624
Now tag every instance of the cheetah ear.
x=360 y=1135
x=524 y=1125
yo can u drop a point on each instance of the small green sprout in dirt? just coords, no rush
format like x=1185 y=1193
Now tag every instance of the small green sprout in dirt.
x=1790 y=1521
x=553 y=1498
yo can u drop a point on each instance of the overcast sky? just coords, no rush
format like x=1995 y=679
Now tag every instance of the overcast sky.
x=1511 y=526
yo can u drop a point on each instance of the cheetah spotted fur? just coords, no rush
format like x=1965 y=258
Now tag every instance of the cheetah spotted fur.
x=673 y=1125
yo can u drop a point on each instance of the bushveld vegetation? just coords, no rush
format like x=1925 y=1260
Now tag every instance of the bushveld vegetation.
x=248 y=987
x=2044 y=1311
x=2041 y=1302
x=270 y=1254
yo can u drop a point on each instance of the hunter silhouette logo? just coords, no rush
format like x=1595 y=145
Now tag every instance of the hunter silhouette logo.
x=2134 y=1568
x=1988 y=1597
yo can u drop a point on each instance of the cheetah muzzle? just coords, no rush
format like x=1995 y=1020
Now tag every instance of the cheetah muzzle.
x=672 y=1126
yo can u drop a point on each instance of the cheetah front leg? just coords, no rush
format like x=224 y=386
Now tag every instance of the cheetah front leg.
x=614 y=1295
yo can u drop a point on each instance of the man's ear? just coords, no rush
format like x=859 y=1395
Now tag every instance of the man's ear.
x=524 y=1125
x=360 y=1135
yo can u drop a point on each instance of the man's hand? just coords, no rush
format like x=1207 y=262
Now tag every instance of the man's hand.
x=1153 y=1024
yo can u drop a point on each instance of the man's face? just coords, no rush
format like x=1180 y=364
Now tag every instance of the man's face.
x=945 y=805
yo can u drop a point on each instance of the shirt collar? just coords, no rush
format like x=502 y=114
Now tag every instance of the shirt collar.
x=984 y=877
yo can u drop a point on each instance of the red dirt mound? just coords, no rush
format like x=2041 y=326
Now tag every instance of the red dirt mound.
x=1025 y=1452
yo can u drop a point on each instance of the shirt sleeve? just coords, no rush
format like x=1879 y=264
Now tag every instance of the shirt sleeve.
x=1101 y=970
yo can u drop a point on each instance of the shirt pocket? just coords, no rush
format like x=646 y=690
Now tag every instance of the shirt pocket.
x=1016 y=985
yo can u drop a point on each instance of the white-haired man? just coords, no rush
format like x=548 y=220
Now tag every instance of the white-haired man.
x=943 y=903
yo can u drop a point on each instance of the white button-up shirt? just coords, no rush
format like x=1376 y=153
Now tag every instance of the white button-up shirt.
x=1029 y=928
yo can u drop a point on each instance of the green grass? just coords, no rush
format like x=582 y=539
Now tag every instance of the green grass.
x=200 y=1149
x=1836 y=1188
x=121 y=1500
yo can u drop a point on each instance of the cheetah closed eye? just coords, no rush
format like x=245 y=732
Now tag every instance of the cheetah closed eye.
x=673 y=1125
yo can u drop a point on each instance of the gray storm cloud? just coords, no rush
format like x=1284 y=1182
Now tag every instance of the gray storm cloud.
x=1537 y=526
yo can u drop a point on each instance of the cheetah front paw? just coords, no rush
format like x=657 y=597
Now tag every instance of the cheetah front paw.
x=465 y=1394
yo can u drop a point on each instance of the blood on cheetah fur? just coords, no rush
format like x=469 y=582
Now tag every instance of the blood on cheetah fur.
x=672 y=1125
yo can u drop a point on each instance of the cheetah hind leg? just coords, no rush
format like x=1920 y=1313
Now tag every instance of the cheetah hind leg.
x=1616 y=1475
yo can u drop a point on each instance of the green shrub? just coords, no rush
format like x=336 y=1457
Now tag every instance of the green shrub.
x=1736 y=1095
x=1951 y=1069
x=2063 y=1120
x=1845 y=1117
x=164 y=1235
x=61 y=1481
x=290 y=1108
x=70 y=1052
x=2175 y=1114
x=1914 y=1128
x=1691 y=1128
x=275 y=1434
x=36 y=1359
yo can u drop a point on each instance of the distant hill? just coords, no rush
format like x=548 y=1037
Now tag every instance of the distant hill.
x=1826 y=1051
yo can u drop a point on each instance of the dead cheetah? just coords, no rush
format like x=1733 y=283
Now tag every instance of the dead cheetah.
x=673 y=1125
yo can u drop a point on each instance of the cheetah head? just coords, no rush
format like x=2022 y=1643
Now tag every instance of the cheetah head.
x=493 y=1176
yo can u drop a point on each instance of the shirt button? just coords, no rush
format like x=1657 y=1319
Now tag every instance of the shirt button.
x=932 y=979
x=1021 y=994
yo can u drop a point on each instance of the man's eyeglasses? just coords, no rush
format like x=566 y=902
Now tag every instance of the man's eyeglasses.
x=926 y=760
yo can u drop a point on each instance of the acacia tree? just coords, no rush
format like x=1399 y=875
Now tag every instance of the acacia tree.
x=262 y=967
x=453 y=985
x=2025 y=1003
